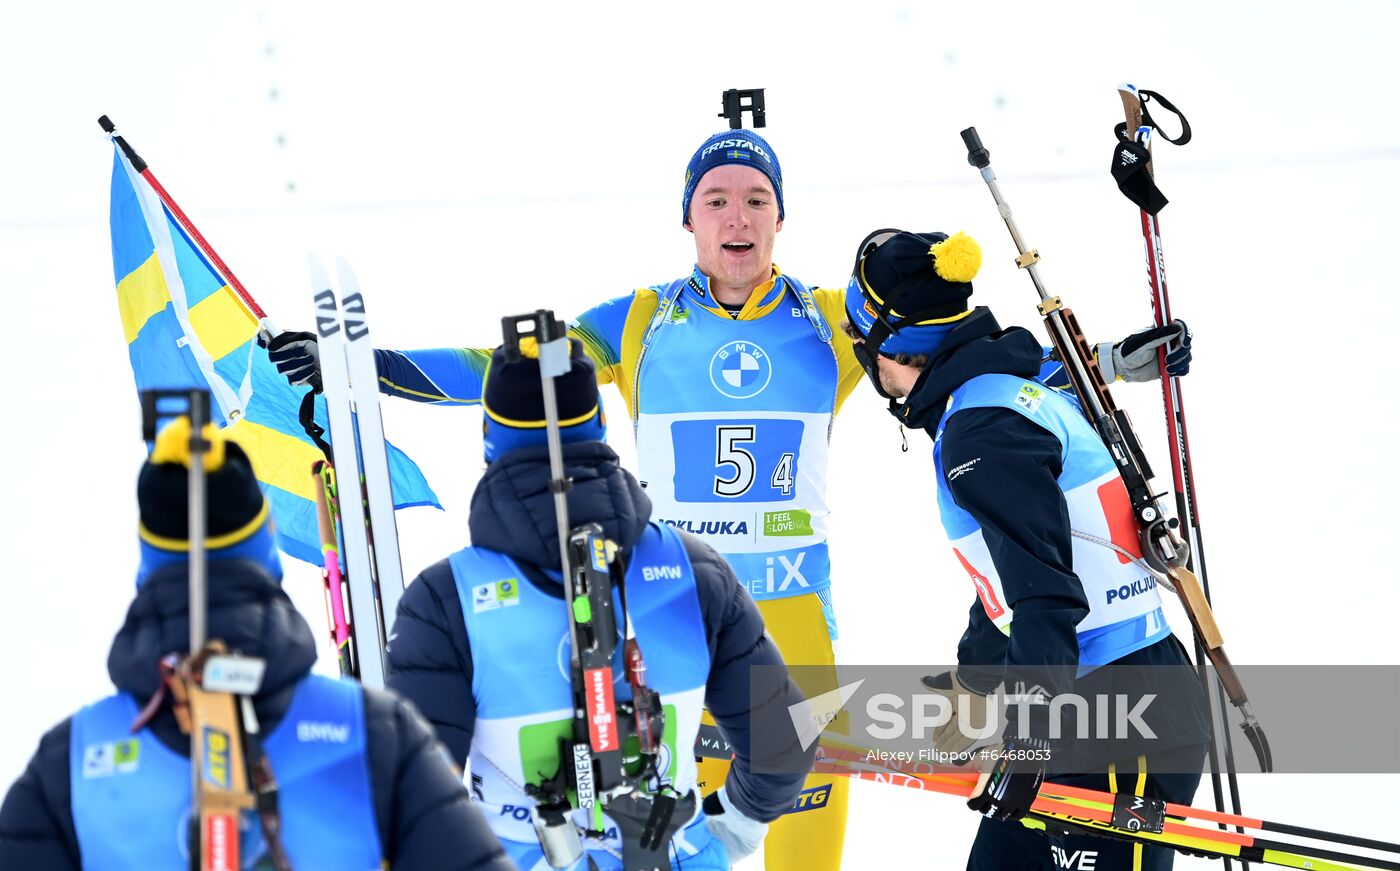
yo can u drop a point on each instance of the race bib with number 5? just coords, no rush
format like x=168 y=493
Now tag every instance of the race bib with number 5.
x=736 y=460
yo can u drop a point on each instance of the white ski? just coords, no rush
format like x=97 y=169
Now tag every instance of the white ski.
x=359 y=569
x=364 y=391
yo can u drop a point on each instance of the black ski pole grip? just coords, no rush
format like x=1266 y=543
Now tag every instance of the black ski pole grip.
x=977 y=154
x=106 y=124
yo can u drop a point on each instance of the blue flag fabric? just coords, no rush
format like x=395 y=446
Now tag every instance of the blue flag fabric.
x=186 y=327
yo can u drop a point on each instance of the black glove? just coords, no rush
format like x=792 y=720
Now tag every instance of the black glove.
x=1006 y=790
x=1135 y=358
x=297 y=357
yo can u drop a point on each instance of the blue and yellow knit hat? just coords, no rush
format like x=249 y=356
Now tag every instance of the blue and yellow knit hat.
x=743 y=147
x=513 y=400
x=237 y=522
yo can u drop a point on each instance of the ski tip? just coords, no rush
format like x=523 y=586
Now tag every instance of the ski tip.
x=349 y=284
x=320 y=279
x=106 y=124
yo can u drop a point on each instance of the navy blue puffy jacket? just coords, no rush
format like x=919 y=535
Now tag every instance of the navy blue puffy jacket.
x=513 y=513
x=425 y=817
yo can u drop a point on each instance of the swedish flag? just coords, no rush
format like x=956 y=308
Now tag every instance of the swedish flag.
x=186 y=327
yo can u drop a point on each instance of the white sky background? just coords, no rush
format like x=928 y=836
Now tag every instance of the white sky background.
x=474 y=161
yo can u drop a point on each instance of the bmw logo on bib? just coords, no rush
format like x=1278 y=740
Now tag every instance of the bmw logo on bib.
x=740 y=370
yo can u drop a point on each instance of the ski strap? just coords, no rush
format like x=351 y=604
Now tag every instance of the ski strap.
x=307 y=416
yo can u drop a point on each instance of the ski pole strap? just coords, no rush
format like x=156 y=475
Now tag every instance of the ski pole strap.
x=1132 y=170
x=307 y=417
x=1146 y=96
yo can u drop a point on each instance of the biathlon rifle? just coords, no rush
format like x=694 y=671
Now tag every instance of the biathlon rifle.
x=1162 y=548
x=612 y=750
x=212 y=690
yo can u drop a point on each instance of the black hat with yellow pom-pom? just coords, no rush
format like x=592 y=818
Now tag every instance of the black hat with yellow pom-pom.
x=916 y=285
x=237 y=520
x=513 y=399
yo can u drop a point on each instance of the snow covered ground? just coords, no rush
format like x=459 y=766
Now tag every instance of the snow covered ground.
x=476 y=162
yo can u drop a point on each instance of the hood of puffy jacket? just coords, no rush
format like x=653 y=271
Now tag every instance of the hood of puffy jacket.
x=248 y=611
x=977 y=346
x=513 y=509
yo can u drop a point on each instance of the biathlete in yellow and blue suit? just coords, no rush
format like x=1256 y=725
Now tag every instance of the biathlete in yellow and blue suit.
x=732 y=375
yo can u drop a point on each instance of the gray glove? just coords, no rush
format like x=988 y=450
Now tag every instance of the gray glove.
x=969 y=706
x=740 y=835
x=297 y=357
x=1135 y=358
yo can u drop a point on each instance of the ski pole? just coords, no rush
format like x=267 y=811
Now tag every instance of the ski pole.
x=265 y=325
x=1133 y=169
x=327 y=513
x=1161 y=547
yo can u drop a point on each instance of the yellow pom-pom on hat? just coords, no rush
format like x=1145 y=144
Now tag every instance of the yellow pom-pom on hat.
x=173 y=445
x=895 y=274
x=957 y=258
x=530 y=348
